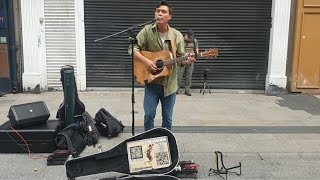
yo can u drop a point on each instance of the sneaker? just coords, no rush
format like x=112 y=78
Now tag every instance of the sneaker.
x=188 y=93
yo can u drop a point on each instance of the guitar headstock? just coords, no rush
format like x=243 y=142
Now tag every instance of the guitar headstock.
x=210 y=53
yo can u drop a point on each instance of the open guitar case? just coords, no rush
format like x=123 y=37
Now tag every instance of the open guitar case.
x=116 y=160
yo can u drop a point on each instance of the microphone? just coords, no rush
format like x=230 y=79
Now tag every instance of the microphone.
x=158 y=18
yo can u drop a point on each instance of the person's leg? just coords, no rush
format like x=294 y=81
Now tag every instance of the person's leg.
x=167 y=104
x=181 y=70
x=189 y=71
x=150 y=103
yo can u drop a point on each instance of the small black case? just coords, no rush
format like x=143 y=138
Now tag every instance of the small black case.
x=40 y=138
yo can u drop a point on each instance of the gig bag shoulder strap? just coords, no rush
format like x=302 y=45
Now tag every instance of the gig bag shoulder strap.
x=173 y=43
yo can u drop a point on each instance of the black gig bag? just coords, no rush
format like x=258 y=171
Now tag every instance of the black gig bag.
x=70 y=138
x=108 y=125
x=71 y=103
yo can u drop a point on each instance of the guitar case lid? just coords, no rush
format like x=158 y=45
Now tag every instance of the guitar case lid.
x=153 y=152
x=144 y=177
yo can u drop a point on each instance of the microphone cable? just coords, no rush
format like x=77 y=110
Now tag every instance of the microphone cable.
x=25 y=142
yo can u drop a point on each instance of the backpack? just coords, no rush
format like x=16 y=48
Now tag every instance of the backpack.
x=70 y=138
x=88 y=129
x=107 y=125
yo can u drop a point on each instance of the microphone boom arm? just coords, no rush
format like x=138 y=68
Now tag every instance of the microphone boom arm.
x=133 y=41
x=129 y=29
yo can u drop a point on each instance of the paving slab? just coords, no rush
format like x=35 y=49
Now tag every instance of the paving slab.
x=274 y=137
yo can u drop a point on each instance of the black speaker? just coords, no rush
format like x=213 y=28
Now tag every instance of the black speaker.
x=25 y=115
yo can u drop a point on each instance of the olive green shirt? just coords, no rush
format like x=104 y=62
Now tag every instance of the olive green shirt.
x=192 y=46
x=149 y=40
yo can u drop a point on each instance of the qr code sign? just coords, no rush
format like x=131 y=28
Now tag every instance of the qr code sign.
x=162 y=158
x=136 y=152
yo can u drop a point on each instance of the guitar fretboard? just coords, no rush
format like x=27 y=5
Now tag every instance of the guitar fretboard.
x=175 y=60
x=208 y=53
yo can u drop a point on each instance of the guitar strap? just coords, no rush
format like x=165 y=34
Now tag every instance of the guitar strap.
x=173 y=43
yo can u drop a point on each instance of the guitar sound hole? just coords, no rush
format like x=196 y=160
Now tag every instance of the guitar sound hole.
x=159 y=64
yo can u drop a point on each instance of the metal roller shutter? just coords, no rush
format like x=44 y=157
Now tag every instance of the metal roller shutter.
x=240 y=29
x=60 y=38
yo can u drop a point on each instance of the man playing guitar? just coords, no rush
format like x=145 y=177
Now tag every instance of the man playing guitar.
x=156 y=37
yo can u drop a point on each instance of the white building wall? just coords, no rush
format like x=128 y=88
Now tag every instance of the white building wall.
x=53 y=36
x=80 y=44
x=34 y=48
x=276 y=80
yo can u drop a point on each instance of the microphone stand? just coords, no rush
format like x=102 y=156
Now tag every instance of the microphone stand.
x=133 y=41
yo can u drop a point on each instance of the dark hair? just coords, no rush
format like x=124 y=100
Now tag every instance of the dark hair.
x=164 y=3
x=190 y=33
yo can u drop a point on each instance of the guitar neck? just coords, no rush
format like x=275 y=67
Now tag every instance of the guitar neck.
x=177 y=60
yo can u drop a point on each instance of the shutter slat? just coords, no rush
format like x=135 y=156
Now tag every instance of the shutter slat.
x=240 y=29
x=60 y=38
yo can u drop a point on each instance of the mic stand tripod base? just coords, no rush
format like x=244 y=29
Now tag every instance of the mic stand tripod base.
x=205 y=85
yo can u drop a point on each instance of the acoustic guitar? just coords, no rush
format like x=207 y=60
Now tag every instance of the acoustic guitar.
x=164 y=61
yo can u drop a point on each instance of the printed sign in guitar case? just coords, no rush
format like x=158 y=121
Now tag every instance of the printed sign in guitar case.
x=148 y=154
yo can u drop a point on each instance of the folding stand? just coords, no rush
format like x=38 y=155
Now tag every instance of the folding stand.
x=205 y=82
x=223 y=169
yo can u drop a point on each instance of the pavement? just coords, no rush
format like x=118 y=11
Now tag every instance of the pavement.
x=274 y=137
